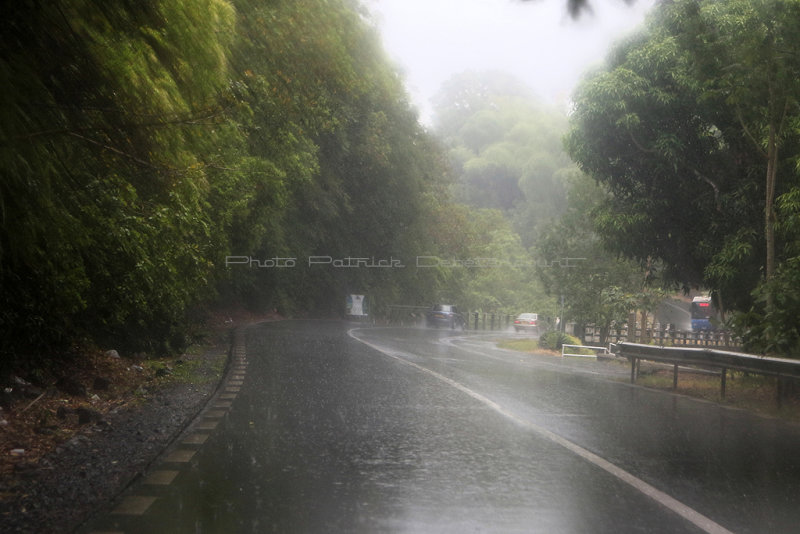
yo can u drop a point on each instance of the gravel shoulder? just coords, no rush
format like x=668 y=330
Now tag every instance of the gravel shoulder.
x=60 y=489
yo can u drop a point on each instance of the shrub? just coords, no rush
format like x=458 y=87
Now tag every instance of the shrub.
x=555 y=339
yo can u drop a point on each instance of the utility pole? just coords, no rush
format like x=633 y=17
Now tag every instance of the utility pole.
x=563 y=263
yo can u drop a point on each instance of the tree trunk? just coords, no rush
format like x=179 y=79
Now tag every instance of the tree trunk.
x=769 y=210
x=645 y=334
x=604 y=331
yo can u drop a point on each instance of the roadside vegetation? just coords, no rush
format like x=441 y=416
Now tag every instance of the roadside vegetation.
x=521 y=345
x=142 y=145
x=49 y=412
x=755 y=393
x=550 y=342
x=745 y=391
x=691 y=132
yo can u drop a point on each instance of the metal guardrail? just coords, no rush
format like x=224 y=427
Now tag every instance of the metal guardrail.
x=708 y=358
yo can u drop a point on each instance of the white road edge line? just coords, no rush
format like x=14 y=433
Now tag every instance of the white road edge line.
x=686 y=512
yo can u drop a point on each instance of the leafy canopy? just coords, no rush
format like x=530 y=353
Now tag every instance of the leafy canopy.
x=693 y=128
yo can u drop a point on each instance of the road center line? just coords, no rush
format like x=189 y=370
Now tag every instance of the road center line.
x=686 y=512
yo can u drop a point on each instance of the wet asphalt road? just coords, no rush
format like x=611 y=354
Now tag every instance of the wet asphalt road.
x=339 y=428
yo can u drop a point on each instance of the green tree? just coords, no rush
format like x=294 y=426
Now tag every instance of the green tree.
x=690 y=121
x=746 y=54
x=505 y=148
x=479 y=263
x=596 y=286
x=103 y=143
x=350 y=169
x=143 y=144
x=672 y=146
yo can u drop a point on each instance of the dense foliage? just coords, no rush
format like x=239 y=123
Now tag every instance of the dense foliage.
x=142 y=144
x=693 y=127
x=515 y=181
x=505 y=149
x=593 y=285
x=342 y=168
x=104 y=188
x=556 y=339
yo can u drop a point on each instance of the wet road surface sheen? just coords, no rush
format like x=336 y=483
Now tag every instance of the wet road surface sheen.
x=403 y=430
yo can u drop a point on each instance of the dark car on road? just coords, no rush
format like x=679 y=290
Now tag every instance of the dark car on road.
x=444 y=315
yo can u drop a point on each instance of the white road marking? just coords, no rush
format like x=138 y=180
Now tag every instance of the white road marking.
x=686 y=512
x=134 y=505
x=161 y=478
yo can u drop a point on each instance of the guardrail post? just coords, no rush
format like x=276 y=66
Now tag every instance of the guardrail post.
x=633 y=369
x=675 y=377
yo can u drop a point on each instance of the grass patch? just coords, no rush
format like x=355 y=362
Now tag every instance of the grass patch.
x=582 y=352
x=521 y=345
x=528 y=346
x=746 y=391
x=189 y=368
x=532 y=345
